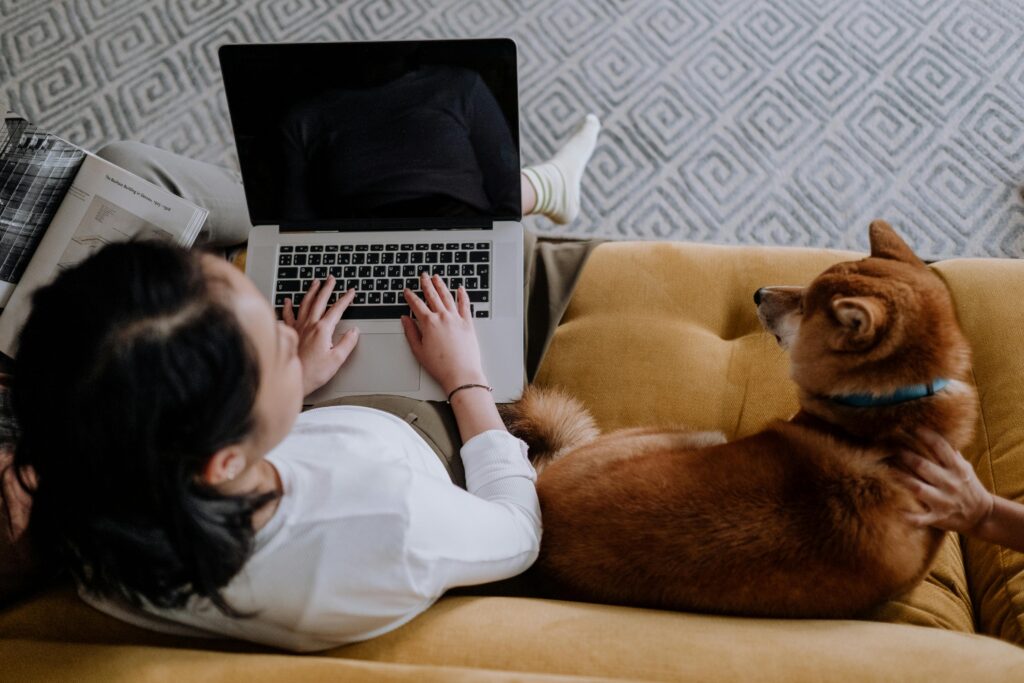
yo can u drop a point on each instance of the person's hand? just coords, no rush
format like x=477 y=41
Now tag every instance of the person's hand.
x=946 y=485
x=441 y=334
x=320 y=356
x=17 y=501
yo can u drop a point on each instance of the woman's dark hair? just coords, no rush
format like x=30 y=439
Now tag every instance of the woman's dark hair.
x=130 y=373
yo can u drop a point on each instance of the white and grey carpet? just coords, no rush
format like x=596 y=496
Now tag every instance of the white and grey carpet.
x=790 y=122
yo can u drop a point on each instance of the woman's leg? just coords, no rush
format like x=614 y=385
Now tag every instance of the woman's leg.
x=553 y=187
x=216 y=189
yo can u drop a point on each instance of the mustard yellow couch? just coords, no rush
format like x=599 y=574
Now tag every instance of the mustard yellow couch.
x=656 y=334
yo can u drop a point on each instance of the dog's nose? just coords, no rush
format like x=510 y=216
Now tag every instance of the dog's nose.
x=757 y=296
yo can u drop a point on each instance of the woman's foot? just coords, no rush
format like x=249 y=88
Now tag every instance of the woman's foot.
x=556 y=182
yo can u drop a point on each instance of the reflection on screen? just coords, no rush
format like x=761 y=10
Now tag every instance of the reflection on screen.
x=410 y=135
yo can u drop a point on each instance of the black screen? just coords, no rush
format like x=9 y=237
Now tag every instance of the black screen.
x=376 y=134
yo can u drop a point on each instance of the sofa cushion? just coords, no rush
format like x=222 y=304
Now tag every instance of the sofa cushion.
x=685 y=348
x=550 y=636
x=988 y=295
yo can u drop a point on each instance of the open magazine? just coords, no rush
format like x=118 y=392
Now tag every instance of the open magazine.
x=59 y=203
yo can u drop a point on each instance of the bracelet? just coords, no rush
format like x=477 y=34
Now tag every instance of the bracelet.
x=467 y=386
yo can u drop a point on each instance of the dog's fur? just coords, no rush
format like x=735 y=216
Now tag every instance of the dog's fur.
x=803 y=519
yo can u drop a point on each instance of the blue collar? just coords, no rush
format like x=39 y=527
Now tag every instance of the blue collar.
x=901 y=395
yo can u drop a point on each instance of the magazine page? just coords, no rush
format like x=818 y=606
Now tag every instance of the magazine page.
x=104 y=204
x=36 y=170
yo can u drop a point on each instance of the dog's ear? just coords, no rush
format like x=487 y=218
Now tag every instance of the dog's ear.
x=861 y=319
x=885 y=243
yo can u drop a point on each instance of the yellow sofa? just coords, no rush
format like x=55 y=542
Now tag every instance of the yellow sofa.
x=656 y=334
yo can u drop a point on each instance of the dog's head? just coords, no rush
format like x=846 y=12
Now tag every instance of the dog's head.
x=871 y=330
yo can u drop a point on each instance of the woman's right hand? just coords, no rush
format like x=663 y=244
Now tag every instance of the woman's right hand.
x=441 y=334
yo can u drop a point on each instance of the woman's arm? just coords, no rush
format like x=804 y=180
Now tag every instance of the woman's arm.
x=443 y=339
x=955 y=499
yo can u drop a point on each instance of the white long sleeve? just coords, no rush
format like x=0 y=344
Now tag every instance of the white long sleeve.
x=369 y=533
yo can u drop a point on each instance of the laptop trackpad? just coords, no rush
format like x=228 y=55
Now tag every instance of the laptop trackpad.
x=380 y=363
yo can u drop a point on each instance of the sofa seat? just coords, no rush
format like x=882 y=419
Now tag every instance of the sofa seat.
x=684 y=348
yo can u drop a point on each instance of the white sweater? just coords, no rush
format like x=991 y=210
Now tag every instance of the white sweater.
x=369 y=533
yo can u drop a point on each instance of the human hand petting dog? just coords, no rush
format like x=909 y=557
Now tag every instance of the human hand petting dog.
x=954 y=498
x=945 y=483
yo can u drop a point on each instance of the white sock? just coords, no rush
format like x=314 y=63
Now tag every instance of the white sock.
x=557 y=181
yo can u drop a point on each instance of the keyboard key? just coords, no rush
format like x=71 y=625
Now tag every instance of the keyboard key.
x=430 y=257
x=314 y=259
x=316 y=248
x=451 y=246
x=337 y=271
x=452 y=270
x=412 y=283
x=330 y=259
x=472 y=283
x=387 y=257
x=362 y=247
x=366 y=284
x=373 y=258
x=373 y=298
x=349 y=271
x=375 y=312
x=358 y=259
x=286 y=249
x=437 y=246
x=407 y=247
x=446 y=257
x=461 y=256
x=454 y=283
x=390 y=298
x=394 y=271
x=478 y=297
x=381 y=285
x=482 y=314
x=396 y=284
x=285 y=273
x=416 y=257
x=299 y=260
x=365 y=271
x=359 y=299
x=410 y=271
x=279 y=299
x=380 y=271
x=344 y=259
x=376 y=247
x=479 y=256
x=320 y=272
x=437 y=270
x=331 y=247
x=301 y=248
x=345 y=247
x=284 y=260
x=351 y=284
x=422 y=247
x=305 y=285
x=287 y=285
x=483 y=245
x=391 y=247
x=402 y=257
x=467 y=245
x=306 y=272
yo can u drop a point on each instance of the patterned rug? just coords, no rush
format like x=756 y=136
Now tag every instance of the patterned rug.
x=784 y=122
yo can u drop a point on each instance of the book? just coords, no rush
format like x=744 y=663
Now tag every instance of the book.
x=60 y=203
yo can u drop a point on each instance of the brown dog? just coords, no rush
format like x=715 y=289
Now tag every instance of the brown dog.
x=800 y=520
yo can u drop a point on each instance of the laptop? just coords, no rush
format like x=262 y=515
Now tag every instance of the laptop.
x=372 y=162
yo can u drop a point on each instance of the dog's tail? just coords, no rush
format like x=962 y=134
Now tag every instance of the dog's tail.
x=551 y=422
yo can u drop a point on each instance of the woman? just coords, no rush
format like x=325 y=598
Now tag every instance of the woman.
x=176 y=478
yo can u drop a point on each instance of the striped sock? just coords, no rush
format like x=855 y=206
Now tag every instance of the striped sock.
x=557 y=181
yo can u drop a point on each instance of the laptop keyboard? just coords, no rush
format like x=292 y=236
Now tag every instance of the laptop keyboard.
x=379 y=273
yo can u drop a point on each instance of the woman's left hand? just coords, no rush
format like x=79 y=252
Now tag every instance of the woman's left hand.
x=946 y=485
x=321 y=358
x=16 y=500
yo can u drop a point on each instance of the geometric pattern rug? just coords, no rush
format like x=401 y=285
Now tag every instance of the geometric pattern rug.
x=781 y=122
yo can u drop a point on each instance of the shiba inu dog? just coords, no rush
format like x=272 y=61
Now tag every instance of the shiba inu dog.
x=803 y=519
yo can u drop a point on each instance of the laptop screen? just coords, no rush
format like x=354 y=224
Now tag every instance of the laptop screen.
x=378 y=134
